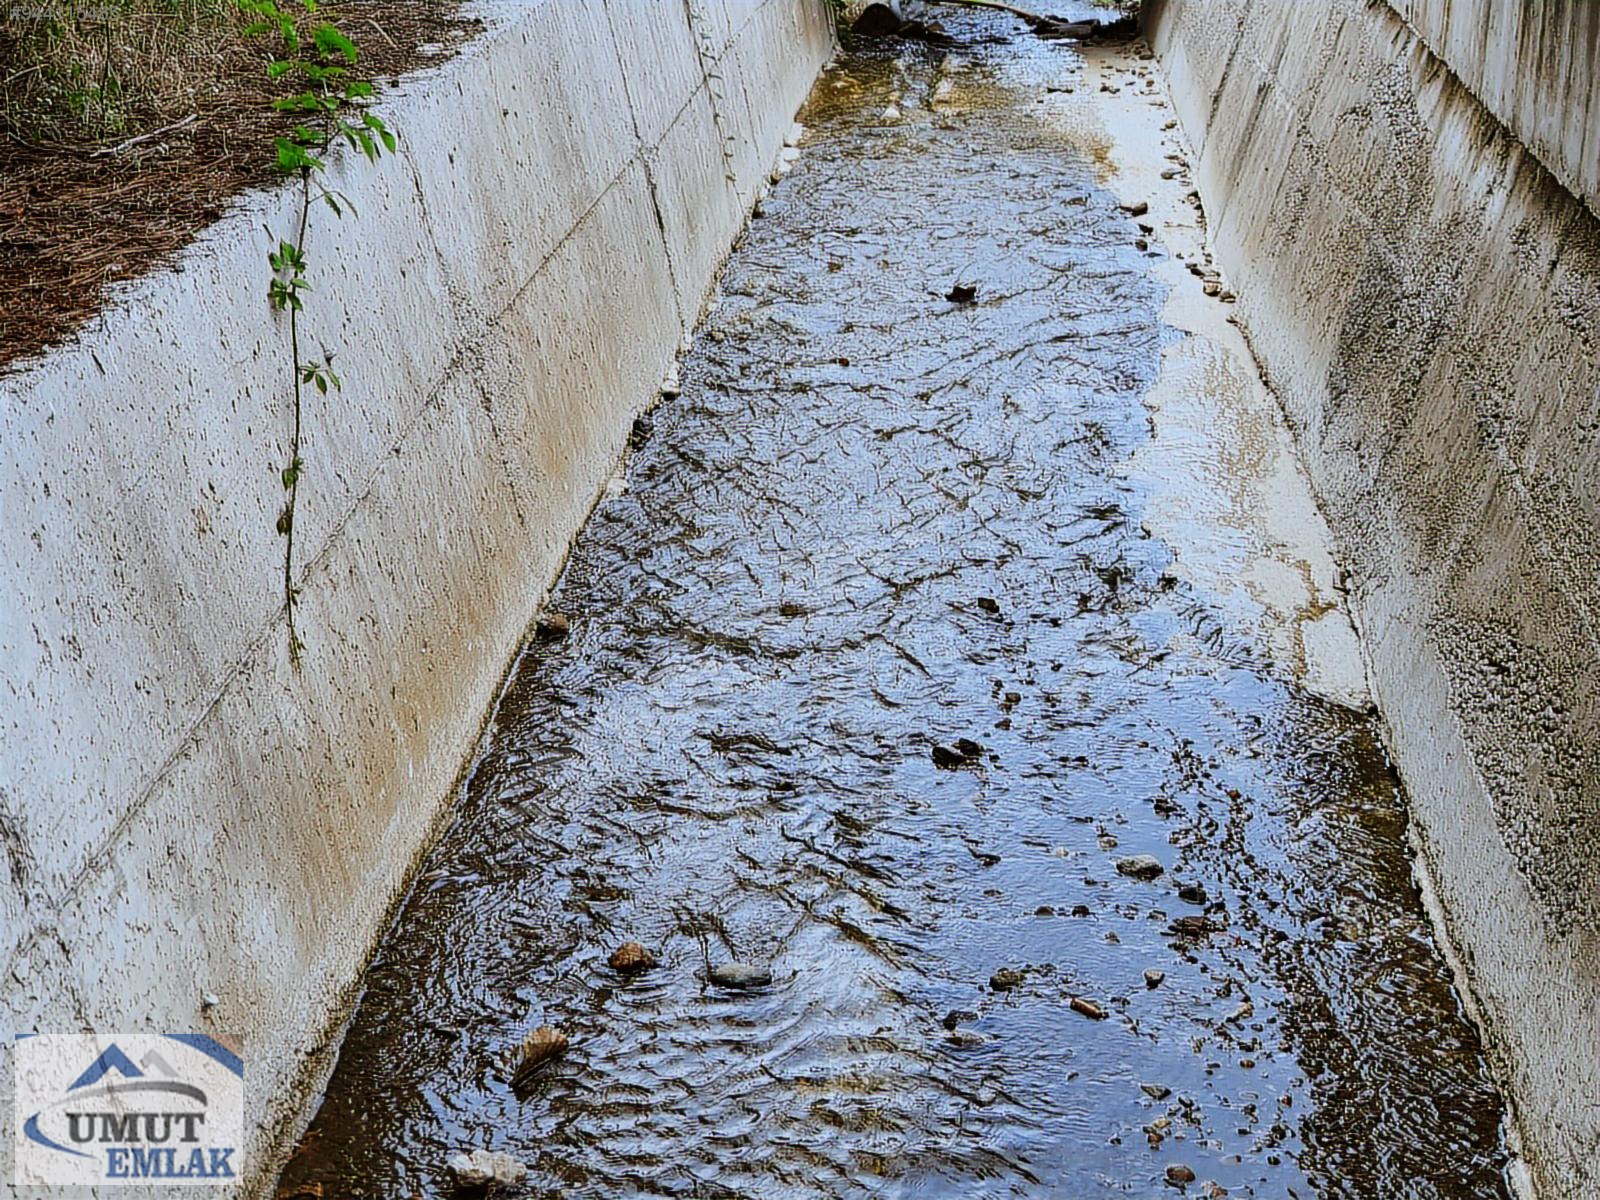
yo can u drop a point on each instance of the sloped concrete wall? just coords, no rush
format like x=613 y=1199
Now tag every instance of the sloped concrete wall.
x=181 y=811
x=1425 y=297
x=1535 y=66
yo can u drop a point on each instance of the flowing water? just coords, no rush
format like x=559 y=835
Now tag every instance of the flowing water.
x=877 y=521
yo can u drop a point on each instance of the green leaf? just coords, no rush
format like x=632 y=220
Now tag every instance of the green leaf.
x=327 y=198
x=357 y=89
x=279 y=67
x=290 y=156
x=256 y=29
x=388 y=140
x=330 y=42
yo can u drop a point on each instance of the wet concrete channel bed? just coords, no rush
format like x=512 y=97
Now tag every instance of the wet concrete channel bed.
x=876 y=522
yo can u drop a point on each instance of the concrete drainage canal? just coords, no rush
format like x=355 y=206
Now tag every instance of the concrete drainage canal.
x=960 y=711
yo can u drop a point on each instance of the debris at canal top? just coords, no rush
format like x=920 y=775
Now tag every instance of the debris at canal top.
x=1088 y=1008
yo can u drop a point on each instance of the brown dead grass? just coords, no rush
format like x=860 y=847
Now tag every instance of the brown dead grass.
x=78 y=214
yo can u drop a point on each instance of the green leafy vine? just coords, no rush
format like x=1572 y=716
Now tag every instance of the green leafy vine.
x=331 y=107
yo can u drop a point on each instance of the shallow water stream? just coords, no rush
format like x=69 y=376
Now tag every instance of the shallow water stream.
x=876 y=521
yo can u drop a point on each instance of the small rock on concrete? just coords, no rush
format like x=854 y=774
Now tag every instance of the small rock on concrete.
x=1088 y=1008
x=1006 y=978
x=480 y=1168
x=1154 y=978
x=631 y=957
x=1193 y=893
x=1140 y=866
x=739 y=976
x=1156 y=1091
x=1178 y=1173
x=948 y=757
x=962 y=293
x=1137 y=209
x=968 y=748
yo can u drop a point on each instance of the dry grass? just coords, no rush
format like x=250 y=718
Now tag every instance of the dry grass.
x=82 y=71
x=75 y=217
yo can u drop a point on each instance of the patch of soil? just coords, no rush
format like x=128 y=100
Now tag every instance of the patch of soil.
x=74 y=220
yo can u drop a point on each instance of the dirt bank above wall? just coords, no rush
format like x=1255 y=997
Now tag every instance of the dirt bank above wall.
x=185 y=815
x=1425 y=297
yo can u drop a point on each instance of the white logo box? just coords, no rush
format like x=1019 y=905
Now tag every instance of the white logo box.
x=136 y=1109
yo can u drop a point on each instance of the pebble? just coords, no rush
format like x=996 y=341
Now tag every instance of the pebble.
x=630 y=957
x=739 y=976
x=1193 y=893
x=1193 y=927
x=1178 y=1173
x=947 y=757
x=968 y=747
x=1140 y=866
x=552 y=627
x=1006 y=978
x=1154 y=978
x=480 y=1168
x=1088 y=1008
x=1137 y=209
x=956 y=1016
x=988 y=604
x=965 y=1038
x=1156 y=1091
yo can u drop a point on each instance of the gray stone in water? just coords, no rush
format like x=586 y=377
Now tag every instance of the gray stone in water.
x=480 y=1168
x=738 y=975
x=1140 y=866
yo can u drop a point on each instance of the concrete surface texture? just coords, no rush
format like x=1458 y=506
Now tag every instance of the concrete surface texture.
x=1425 y=297
x=1534 y=66
x=183 y=813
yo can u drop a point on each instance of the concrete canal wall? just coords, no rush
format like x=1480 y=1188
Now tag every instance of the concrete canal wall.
x=1402 y=211
x=183 y=814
